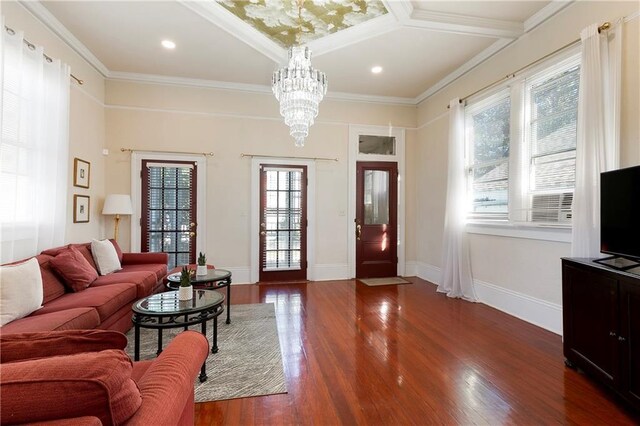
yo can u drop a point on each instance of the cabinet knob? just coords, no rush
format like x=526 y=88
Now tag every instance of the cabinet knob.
x=621 y=339
x=612 y=333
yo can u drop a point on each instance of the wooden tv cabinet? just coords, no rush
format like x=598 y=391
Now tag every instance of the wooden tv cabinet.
x=601 y=322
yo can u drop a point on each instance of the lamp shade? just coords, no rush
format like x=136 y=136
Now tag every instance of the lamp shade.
x=117 y=204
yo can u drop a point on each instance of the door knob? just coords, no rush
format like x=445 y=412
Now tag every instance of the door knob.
x=192 y=234
x=621 y=339
x=358 y=231
x=263 y=233
x=262 y=225
x=192 y=224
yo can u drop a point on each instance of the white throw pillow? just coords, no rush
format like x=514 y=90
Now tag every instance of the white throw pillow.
x=20 y=290
x=105 y=256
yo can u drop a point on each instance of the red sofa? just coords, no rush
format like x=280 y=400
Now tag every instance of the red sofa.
x=105 y=304
x=83 y=377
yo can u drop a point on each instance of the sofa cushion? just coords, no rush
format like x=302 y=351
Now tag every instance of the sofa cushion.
x=20 y=290
x=83 y=248
x=88 y=384
x=118 y=249
x=160 y=270
x=76 y=271
x=105 y=256
x=15 y=347
x=106 y=299
x=68 y=319
x=145 y=281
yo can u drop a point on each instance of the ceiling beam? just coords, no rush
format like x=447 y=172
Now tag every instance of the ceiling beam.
x=219 y=16
x=461 y=24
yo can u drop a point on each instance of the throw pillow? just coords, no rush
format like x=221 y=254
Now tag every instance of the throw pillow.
x=62 y=387
x=41 y=344
x=105 y=256
x=20 y=290
x=76 y=271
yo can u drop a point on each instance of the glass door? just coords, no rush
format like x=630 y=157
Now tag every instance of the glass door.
x=169 y=209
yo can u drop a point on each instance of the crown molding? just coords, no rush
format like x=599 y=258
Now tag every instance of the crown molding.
x=545 y=13
x=247 y=88
x=460 y=24
x=355 y=34
x=41 y=13
x=400 y=9
x=466 y=67
x=219 y=16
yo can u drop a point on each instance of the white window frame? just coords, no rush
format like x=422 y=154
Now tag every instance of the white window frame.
x=517 y=225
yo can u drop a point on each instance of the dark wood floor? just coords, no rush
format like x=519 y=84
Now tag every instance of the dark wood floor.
x=406 y=355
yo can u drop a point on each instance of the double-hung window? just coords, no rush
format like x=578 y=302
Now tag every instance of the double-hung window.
x=521 y=147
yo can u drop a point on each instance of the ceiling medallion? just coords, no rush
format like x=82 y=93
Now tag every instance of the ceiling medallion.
x=299 y=88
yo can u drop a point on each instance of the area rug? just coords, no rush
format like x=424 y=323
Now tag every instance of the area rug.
x=373 y=282
x=248 y=362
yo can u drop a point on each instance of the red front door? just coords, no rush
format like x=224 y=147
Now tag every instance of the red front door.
x=376 y=219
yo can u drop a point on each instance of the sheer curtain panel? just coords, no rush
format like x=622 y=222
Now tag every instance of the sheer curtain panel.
x=34 y=149
x=598 y=132
x=456 y=280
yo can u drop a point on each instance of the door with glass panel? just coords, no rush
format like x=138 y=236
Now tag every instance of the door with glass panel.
x=283 y=223
x=169 y=209
x=376 y=219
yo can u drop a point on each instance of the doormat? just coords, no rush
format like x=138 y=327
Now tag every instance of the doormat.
x=249 y=359
x=373 y=282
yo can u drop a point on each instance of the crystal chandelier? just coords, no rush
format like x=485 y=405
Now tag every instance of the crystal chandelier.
x=299 y=88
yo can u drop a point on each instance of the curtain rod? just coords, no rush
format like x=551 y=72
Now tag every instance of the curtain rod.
x=292 y=158
x=47 y=57
x=601 y=28
x=206 y=154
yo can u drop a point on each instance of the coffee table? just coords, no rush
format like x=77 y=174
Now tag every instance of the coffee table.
x=215 y=279
x=164 y=310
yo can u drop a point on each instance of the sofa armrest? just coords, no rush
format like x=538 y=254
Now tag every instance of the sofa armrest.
x=76 y=421
x=22 y=346
x=138 y=258
x=167 y=385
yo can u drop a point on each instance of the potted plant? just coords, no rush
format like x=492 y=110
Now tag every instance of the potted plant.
x=201 y=269
x=185 y=292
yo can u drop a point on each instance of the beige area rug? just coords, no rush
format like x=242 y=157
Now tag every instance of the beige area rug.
x=249 y=360
x=373 y=282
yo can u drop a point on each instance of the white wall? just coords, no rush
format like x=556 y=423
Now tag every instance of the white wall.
x=177 y=118
x=520 y=276
x=86 y=127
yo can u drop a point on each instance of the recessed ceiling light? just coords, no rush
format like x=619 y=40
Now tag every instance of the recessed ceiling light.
x=168 y=44
x=377 y=69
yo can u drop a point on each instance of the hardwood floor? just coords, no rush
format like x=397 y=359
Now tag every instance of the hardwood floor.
x=406 y=355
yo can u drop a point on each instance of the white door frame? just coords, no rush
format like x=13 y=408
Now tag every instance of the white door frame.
x=255 y=212
x=354 y=156
x=136 y=190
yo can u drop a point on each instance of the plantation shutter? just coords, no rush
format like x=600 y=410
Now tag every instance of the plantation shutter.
x=169 y=213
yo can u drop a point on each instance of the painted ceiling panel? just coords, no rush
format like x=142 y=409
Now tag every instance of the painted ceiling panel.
x=286 y=24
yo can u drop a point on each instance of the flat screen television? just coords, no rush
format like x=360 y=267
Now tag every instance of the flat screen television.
x=620 y=212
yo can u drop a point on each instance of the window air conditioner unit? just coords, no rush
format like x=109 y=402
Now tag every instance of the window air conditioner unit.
x=551 y=208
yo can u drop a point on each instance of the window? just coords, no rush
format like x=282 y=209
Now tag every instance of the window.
x=521 y=147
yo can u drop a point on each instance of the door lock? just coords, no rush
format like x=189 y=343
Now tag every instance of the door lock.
x=192 y=224
x=263 y=233
x=192 y=234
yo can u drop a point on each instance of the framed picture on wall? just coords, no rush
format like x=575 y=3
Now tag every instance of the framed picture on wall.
x=81 y=173
x=81 y=205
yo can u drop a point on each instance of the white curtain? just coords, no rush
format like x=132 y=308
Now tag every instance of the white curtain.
x=456 y=280
x=34 y=149
x=598 y=135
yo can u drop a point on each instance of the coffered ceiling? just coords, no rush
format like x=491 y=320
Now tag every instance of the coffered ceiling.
x=420 y=45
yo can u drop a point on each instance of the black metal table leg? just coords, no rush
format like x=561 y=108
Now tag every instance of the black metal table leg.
x=136 y=344
x=159 y=342
x=229 y=301
x=186 y=319
x=214 y=349
x=203 y=370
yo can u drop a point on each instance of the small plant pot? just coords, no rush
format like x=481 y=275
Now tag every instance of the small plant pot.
x=185 y=293
x=201 y=270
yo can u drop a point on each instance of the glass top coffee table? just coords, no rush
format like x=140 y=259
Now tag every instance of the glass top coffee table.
x=215 y=279
x=164 y=310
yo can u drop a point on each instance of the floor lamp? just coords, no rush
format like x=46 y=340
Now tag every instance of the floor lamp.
x=117 y=204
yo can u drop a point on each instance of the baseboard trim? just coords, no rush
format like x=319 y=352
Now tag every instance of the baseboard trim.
x=239 y=275
x=410 y=268
x=536 y=311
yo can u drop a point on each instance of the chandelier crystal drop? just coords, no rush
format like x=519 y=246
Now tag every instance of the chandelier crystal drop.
x=299 y=88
